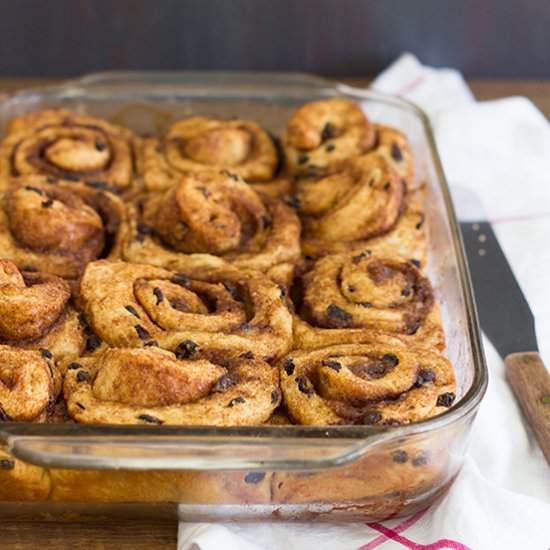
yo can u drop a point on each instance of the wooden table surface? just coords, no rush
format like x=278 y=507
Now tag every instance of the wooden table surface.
x=162 y=535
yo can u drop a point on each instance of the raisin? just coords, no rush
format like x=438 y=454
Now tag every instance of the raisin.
x=82 y=376
x=275 y=396
x=420 y=460
x=372 y=417
x=339 y=314
x=97 y=184
x=186 y=349
x=235 y=400
x=247 y=355
x=6 y=464
x=289 y=366
x=334 y=365
x=46 y=353
x=223 y=383
x=143 y=333
x=328 y=132
x=303 y=385
x=424 y=376
x=92 y=342
x=180 y=279
x=150 y=419
x=446 y=399
x=158 y=295
x=4 y=416
x=254 y=477
x=74 y=366
x=400 y=456
x=396 y=152
x=390 y=359
x=132 y=310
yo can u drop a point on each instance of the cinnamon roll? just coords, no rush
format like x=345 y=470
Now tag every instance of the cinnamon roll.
x=74 y=147
x=200 y=144
x=29 y=384
x=363 y=200
x=216 y=214
x=362 y=297
x=365 y=384
x=58 y=226
x=154 y=386
x=186 y=312
x=323 y=133
x=35 y=313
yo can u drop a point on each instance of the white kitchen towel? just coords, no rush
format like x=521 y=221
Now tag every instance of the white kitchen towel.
x=501 y=499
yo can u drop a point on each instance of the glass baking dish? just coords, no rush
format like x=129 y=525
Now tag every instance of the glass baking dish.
x=284 y=472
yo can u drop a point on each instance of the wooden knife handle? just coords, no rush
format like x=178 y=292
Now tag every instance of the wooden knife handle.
x=530 y=382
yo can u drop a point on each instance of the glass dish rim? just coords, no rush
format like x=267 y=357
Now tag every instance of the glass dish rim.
x=73 y=88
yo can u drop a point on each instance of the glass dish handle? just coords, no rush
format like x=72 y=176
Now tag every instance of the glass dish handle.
x=189 y=452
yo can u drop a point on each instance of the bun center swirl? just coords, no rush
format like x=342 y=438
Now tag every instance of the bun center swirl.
x=211 y=214
x=218 y=146
x=364 y=291
x=360 y=201
x=365 y=384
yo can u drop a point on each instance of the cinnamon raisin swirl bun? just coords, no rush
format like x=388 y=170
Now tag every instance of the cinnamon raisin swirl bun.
x=35 y=313
x=322 y=134
x=29 y=384
x=74 y=147
x=132 y=305
x=58 y=226
x=200 y=144
x=363 y=200
x=216 y=214
x=365 y=384
x=364 y=298
x=153 y=386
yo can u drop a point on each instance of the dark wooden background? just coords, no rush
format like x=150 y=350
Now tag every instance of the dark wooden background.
x=483 y=38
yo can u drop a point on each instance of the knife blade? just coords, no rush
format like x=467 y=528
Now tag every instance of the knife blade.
x=505 y=315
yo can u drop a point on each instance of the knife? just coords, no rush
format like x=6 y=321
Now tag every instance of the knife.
x=505 y=315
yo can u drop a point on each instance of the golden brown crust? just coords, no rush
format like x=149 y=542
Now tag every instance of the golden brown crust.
x=365 y=384
x=58 y=226
x=365 y=298
x=131 y=305
x=65 y=145
x=154 y=386
x=322 y=133
x=215 y=214
x=35 y=313
x=199 y=144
